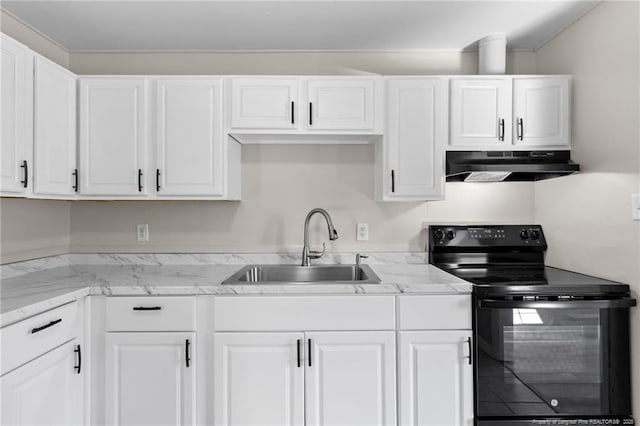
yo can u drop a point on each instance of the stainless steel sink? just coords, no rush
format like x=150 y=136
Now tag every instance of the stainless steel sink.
x=295 y=274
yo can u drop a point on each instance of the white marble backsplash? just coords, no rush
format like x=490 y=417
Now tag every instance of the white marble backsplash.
x=156 y=259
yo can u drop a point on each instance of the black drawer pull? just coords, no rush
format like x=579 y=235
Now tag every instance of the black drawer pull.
x=147 y=308
x=51 y=324
x=501 y=129
x=470 y=351
x=298 y=351
x=309 y=352
x=157 y=180
x=393 y=181
x=187 y=344
x=79 y=352
x=310 y=114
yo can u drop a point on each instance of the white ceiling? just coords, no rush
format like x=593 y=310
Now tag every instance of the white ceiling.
x=240 y=25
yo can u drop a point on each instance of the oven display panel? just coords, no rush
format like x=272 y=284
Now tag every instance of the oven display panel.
x=487 y=233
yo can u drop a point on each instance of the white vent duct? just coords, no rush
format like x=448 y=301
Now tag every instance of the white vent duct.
x=492 y=54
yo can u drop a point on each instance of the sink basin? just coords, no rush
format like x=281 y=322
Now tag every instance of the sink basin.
x=295 y=274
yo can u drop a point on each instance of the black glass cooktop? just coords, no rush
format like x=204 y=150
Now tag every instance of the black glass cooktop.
x=533 y=279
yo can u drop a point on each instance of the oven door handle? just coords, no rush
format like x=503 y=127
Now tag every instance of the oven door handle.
x=559 y=304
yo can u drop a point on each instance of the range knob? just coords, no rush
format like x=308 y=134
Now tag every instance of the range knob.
x=535 y=234
x=450 y=234
x=437 y=235
x=524 y=234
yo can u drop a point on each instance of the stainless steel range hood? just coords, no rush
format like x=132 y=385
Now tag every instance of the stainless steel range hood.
x=498 y=166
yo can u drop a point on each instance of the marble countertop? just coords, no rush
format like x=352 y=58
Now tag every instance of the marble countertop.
x=34 y=291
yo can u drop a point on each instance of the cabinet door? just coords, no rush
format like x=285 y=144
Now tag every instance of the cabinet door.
x=350 y=378
x=340 y=104
x=480 y=112
x=415 y=138
x=541 y=112
x=189 y=139
x=150 y=379
x=46 y=391
x=54 y=129
x=436 y=384
x=113 y=120
x=257 y=379
x=264 y=103
x=16 y=114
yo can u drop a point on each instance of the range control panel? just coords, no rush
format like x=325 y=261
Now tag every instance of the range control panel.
x=486 y=236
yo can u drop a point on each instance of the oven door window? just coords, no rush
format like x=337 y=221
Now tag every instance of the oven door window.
x=546 y=361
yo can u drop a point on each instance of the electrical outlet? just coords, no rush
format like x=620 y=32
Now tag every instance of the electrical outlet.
x=362 y=232
x=635 y=206
x=142 y=232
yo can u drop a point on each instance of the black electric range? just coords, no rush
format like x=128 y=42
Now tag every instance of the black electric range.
x=551 y=346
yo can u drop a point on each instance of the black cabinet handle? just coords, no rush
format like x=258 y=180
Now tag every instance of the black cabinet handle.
x=147 y=308
x=393 y=181
x=25 y=166
x=51 y=324
x=157 y=180
x=520 y=129
x=187 y=345
x=75 y=180
x=139 y=180
x=299 y=343
x=501 y=129
x=310 y=114
x=470 y=351
x=309 y=352
x=292 y=114
x=78 y=351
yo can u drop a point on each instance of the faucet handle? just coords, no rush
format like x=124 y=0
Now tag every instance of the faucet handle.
x=359 y=257
x=317 y=254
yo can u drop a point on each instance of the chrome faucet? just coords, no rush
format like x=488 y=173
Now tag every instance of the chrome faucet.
x=307 y=253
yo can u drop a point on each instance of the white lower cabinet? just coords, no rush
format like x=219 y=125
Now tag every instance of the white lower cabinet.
x=257 y=379
x=350 y=378
x=436 y=379
x=314 y=378
x=46 y=391
x=150 y=379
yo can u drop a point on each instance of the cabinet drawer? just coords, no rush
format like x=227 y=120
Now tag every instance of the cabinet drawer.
x=156 y=313
x=304 y=313
x=434 y=312
x=30 y=338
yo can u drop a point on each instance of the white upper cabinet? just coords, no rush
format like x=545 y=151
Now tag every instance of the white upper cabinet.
x=311 y=105
x=350 y=378
x=541 y=109
x=16 y=114
x=113 y=136
x=510 y=113
x=410 y=162
x=341 y=104
x=264 y=103
x=190 y=150
x=54 y=136
x=480 y=112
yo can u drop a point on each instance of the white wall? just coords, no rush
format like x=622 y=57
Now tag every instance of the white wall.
x=587 y=217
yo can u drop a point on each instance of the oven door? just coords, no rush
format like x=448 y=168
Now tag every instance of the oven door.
x=551 y=360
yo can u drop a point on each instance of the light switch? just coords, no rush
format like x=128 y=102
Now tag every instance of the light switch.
x=142 y=232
